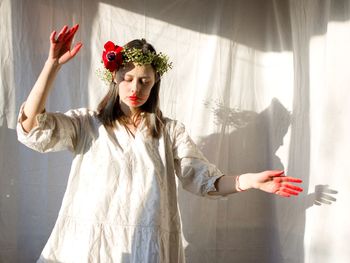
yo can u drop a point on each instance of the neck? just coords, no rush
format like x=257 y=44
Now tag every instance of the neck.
x=128 y=111
x=132 y=114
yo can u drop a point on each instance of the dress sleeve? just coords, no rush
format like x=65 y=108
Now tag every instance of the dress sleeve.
x=54 y=132
x=196 y=173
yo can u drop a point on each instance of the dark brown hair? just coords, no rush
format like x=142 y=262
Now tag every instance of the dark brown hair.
x=109 y=110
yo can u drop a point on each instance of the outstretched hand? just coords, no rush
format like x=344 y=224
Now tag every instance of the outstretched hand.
x=276 y=182
x=60 y=47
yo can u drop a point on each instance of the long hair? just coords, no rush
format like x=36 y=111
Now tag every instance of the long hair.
x=109 y=109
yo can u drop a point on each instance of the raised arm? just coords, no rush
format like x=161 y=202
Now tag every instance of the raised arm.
x=59 y=54
x=274 y=182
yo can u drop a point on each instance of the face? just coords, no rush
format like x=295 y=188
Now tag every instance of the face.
x=135 y=84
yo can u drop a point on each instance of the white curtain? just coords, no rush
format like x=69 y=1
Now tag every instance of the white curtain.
x=259 y=84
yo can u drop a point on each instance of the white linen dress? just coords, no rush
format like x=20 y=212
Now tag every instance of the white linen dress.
x=120 y=204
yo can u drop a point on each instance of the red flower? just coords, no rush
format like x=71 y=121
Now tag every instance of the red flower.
x=112 y=57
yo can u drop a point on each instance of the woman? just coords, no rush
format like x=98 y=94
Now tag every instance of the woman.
x=120 y=203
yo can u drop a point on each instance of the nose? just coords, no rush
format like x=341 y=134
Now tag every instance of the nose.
x=135 y=87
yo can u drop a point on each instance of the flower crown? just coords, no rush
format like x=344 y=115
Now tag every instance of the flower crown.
x=114 y=57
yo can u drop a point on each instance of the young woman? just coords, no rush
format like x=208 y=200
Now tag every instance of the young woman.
x=120 y=204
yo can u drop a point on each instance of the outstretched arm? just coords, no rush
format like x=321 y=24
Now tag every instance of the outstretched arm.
x=274 y=182
x=60 y=53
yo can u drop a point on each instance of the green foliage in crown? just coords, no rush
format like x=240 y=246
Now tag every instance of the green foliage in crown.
x=159 y=61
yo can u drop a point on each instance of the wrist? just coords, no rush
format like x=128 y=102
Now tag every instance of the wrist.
x=244 y=182
x=52 y=64
x=238 y=184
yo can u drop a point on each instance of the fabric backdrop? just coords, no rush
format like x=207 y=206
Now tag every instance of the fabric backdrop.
x=259 y=84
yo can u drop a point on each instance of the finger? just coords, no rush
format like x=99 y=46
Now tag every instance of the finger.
x=293 y=187
x=61 y=34
x=317 y=203
x=328 y=197
x=76 y=49
x=52 y=37
x=288 y=191
x=63 y=30
x=291 y=179
x=329 y=191
x=74 y=28
x=68 y=42
x=325 y=201
x=276 y=173
x=283 y=194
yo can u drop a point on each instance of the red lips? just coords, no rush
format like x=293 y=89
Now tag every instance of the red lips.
x=134 y=98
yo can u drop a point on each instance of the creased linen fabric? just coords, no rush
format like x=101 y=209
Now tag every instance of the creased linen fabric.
x=120 y=203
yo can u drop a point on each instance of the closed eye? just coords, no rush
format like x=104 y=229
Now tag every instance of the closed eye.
x=145 y=82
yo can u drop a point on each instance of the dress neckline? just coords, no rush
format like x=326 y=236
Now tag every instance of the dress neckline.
x=129 y=132
x=126 y=131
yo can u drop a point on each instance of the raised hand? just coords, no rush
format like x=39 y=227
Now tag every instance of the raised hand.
x=276 y=182
x=60 y=47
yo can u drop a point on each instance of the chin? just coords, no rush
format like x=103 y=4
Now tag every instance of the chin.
x=136 y=105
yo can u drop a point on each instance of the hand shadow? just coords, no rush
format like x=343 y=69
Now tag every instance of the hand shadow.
x=322 y=195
